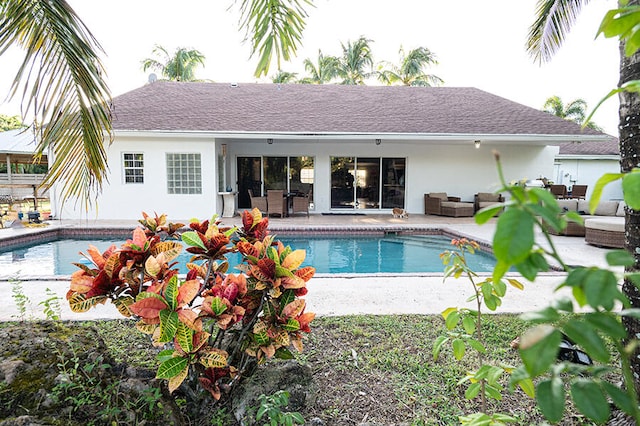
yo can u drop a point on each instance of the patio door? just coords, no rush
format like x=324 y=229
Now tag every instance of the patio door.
x=290 y=174
x=343 y=176
x=249 y=171
x=362 y=182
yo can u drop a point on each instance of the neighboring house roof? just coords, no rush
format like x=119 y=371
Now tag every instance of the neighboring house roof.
x=308 y=110
x=17 y=141
x=610 y=147
x=20 y=144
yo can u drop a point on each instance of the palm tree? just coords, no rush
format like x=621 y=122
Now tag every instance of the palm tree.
x=411 y=70
x=553 y=21
x=61 y=80
x=325 y=71
x=179 y=66
x=284 y=77
x=575 y=110
x=356 y=62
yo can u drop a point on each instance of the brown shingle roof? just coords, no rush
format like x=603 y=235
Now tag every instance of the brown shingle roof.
x=325 y=109
x=610 y=147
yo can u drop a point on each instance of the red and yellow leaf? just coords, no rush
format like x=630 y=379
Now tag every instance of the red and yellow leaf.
x=293 y=282
x=187 y=292
x=152 y=266
x=96 y=256
x=294 y=259
x=306 y=273
x=293 y=309
x=146 y=328
x=170 y=249
x=213 y=358
x=148 y=307
x=80 y=282
x=175 y=382
x=122 y=304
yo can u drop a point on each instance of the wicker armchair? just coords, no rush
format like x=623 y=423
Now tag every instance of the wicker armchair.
x=258 y=202
x=486 y=199
x=300 y=204
x=276 y=202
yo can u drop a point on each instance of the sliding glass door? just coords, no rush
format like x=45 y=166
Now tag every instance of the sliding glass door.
x=260 y=174
x=361 y=182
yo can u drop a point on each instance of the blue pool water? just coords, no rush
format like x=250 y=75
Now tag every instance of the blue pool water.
x=328 y=254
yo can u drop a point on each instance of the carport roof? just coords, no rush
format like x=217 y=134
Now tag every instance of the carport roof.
x=332 y=109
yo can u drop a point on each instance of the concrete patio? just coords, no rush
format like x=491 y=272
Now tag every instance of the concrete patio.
x=344 y=295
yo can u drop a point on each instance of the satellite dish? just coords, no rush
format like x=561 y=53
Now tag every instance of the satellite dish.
x=152 y=78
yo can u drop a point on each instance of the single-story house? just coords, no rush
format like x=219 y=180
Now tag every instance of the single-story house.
x=184 y=148
x=584 y=163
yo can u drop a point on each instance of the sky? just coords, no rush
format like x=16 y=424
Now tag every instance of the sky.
x=478 y=44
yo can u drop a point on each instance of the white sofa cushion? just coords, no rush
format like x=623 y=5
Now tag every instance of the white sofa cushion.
x=613 y=223
x=568 y=205
x=605 y=208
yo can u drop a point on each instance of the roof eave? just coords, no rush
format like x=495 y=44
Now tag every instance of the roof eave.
x=542 y=139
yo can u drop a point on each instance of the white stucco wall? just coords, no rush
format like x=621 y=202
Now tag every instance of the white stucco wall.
x=456 y=168
x=128 y=201
x=570 y=171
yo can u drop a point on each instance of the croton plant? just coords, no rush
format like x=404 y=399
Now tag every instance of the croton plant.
x=213 y=325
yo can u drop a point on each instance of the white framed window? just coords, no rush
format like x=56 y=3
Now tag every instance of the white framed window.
x=183 y=173
x=133 y=167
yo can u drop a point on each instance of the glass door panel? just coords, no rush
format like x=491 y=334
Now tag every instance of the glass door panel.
x=393 y=180
x=275 y=173
x=367 y=183
x=342 y=183
x=301 y=175
x=249 y=177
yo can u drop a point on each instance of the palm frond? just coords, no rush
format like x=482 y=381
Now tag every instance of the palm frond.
x=554 y=19
x=274 y=27
x=61 y=79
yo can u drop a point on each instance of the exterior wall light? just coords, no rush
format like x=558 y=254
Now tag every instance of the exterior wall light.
x=270 y=141
x=378 y=141
x=476 y=144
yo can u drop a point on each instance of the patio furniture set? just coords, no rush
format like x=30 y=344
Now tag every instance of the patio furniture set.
x=278 y=202
x=604 y=228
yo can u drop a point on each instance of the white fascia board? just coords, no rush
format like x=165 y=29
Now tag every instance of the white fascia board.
x=587 y=157
x=425 y=137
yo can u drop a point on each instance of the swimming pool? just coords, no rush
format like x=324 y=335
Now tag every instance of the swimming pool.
x=371 y=254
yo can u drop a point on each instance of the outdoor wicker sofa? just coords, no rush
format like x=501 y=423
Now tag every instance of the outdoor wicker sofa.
x=606 y=209
x=605 y=231
x=439 y=203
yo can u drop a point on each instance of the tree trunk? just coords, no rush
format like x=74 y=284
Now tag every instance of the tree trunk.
x=630 y=158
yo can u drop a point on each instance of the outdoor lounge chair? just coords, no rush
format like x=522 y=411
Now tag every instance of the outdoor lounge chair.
x=258 y=202
x=579 y=192
x=276 y=202
x=439 y=203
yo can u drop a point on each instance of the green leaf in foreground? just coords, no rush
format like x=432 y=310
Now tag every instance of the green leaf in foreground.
x=551 y=398
x=590 y=400
x=171 y=367
x=514 y=236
